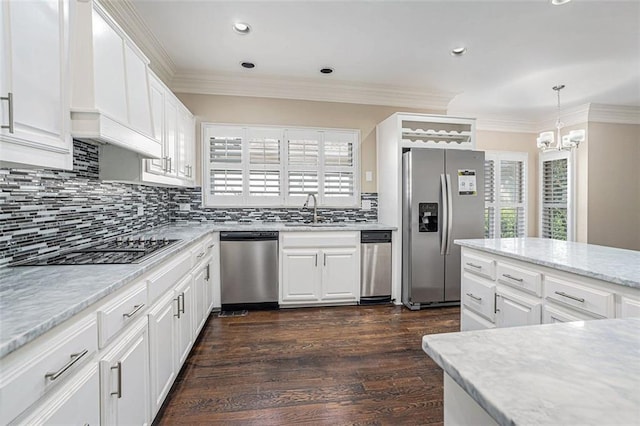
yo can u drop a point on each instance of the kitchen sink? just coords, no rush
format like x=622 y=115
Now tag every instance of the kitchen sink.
x=317 y=224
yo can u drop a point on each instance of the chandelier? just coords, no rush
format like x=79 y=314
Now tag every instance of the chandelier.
x=562 y=143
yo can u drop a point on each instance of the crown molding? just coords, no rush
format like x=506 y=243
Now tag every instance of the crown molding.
x=505 y=124
x=126 y=15
x=569 y=117
x=618 y=114
x=309 y=89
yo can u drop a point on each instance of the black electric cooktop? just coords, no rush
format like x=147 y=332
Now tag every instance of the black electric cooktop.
x=117 y=251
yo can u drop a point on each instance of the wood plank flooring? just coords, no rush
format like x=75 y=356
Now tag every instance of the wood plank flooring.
x=350 y=365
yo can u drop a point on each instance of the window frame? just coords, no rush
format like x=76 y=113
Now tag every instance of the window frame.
x=570 y=156
x=497 y=157
x=284 y=200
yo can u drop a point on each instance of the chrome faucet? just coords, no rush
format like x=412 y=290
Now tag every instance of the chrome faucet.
x=315 y=206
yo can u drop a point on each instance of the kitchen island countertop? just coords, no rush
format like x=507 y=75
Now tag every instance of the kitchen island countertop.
x=572 y=373
x=35 y=299
x=617 y=266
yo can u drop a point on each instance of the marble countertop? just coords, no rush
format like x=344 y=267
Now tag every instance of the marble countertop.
x=34 y=299
x=610 y=264
x=585 y=373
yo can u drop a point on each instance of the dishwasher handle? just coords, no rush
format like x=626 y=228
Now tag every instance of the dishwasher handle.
x=249 y=236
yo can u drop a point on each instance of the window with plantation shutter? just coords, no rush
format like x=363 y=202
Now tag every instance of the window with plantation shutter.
x=555 y=196
x=272 y=166
x=505 y=194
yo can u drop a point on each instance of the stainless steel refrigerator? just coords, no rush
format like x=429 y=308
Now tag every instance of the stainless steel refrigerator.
x=442 y=200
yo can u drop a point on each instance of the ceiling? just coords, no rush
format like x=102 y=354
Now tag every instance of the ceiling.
x=516 y=50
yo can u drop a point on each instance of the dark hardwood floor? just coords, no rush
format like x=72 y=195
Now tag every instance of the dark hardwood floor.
x=325 y=366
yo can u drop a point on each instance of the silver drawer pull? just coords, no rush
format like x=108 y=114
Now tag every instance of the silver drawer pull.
x=119 y=391
x=211 y=246
x=9 y=99
x=512 y=278
x=563 y=294
x=474 y=265
x=74 y=358
x=200 y=255
x=471 y=295
x=136 y=308
x=177 y=299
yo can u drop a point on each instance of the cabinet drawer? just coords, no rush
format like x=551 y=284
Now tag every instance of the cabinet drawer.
x=552 y=315
x=160 y=282
x=115 y=316
x=470 y=321
x=479 y=296
x=39 y=369
x=591 y=300
x=201 y=250
x=480 y=265
x=321 y=239
x=629 y=308
x=520 y=278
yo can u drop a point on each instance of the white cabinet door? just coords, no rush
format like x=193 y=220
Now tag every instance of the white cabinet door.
x=184 y=319
x=629 y=308
x=339 y=274
x=171 y=134
x=162 y=351
x=157 y=97
x=34 y=67
x=212 y=279
x=300 y=275
x=516 y=311
x=201 y=301
x=183 y=149
x=124 y=372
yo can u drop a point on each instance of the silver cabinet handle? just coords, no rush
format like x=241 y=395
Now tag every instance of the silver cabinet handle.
x=316 y=259
x=182 y=297
x=118 y=366
x=177 y=299
x=200 y=255
x=136 y=308
x=563 y=294
x=512 y=278
x=208 y=275
x=211 y=246
x=325 y=259
x=164 y=164
x=474 y=297
x=170 y=164
x=473 y=265
x=74 y=358
x=9 y=99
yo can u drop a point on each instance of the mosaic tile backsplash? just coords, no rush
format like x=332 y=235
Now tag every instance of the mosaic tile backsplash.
x=47 y=211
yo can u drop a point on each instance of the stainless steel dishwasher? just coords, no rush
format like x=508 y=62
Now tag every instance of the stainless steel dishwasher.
x=375 y=271
x=249 y=270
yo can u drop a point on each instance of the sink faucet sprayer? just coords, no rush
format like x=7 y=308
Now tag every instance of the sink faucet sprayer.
x=315 y=206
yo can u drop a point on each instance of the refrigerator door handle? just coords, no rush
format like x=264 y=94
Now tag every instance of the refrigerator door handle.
x=445 y=214
x=449 y=214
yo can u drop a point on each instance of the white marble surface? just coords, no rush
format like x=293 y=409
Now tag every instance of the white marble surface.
x=580 y=373
x=614 y=265
x=34 y=299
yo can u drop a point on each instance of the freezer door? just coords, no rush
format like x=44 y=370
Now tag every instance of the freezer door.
x=423 y=265
x=467 y=211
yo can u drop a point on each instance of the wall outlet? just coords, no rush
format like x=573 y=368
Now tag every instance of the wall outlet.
x=140 y=210
x=366 y=204
x=184 y=207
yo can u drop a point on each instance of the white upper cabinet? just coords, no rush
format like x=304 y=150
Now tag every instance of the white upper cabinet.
x=110 y=99
x=34 y=84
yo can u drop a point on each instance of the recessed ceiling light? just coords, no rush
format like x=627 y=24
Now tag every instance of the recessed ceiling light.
x=559 y=2
x=459 y=51
x=326 y=70
x=248 y=65
x=241 y=28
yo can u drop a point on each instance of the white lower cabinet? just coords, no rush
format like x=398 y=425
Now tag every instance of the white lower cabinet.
x=184 y=315
x=339 y=279
x=629 y=307
x=162 y=354
x=554 y=314
x=124 y=379
x=516 y=310
x=77 y=403
x=300 y=275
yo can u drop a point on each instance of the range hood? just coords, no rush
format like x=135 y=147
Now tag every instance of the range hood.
x=110 y=100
